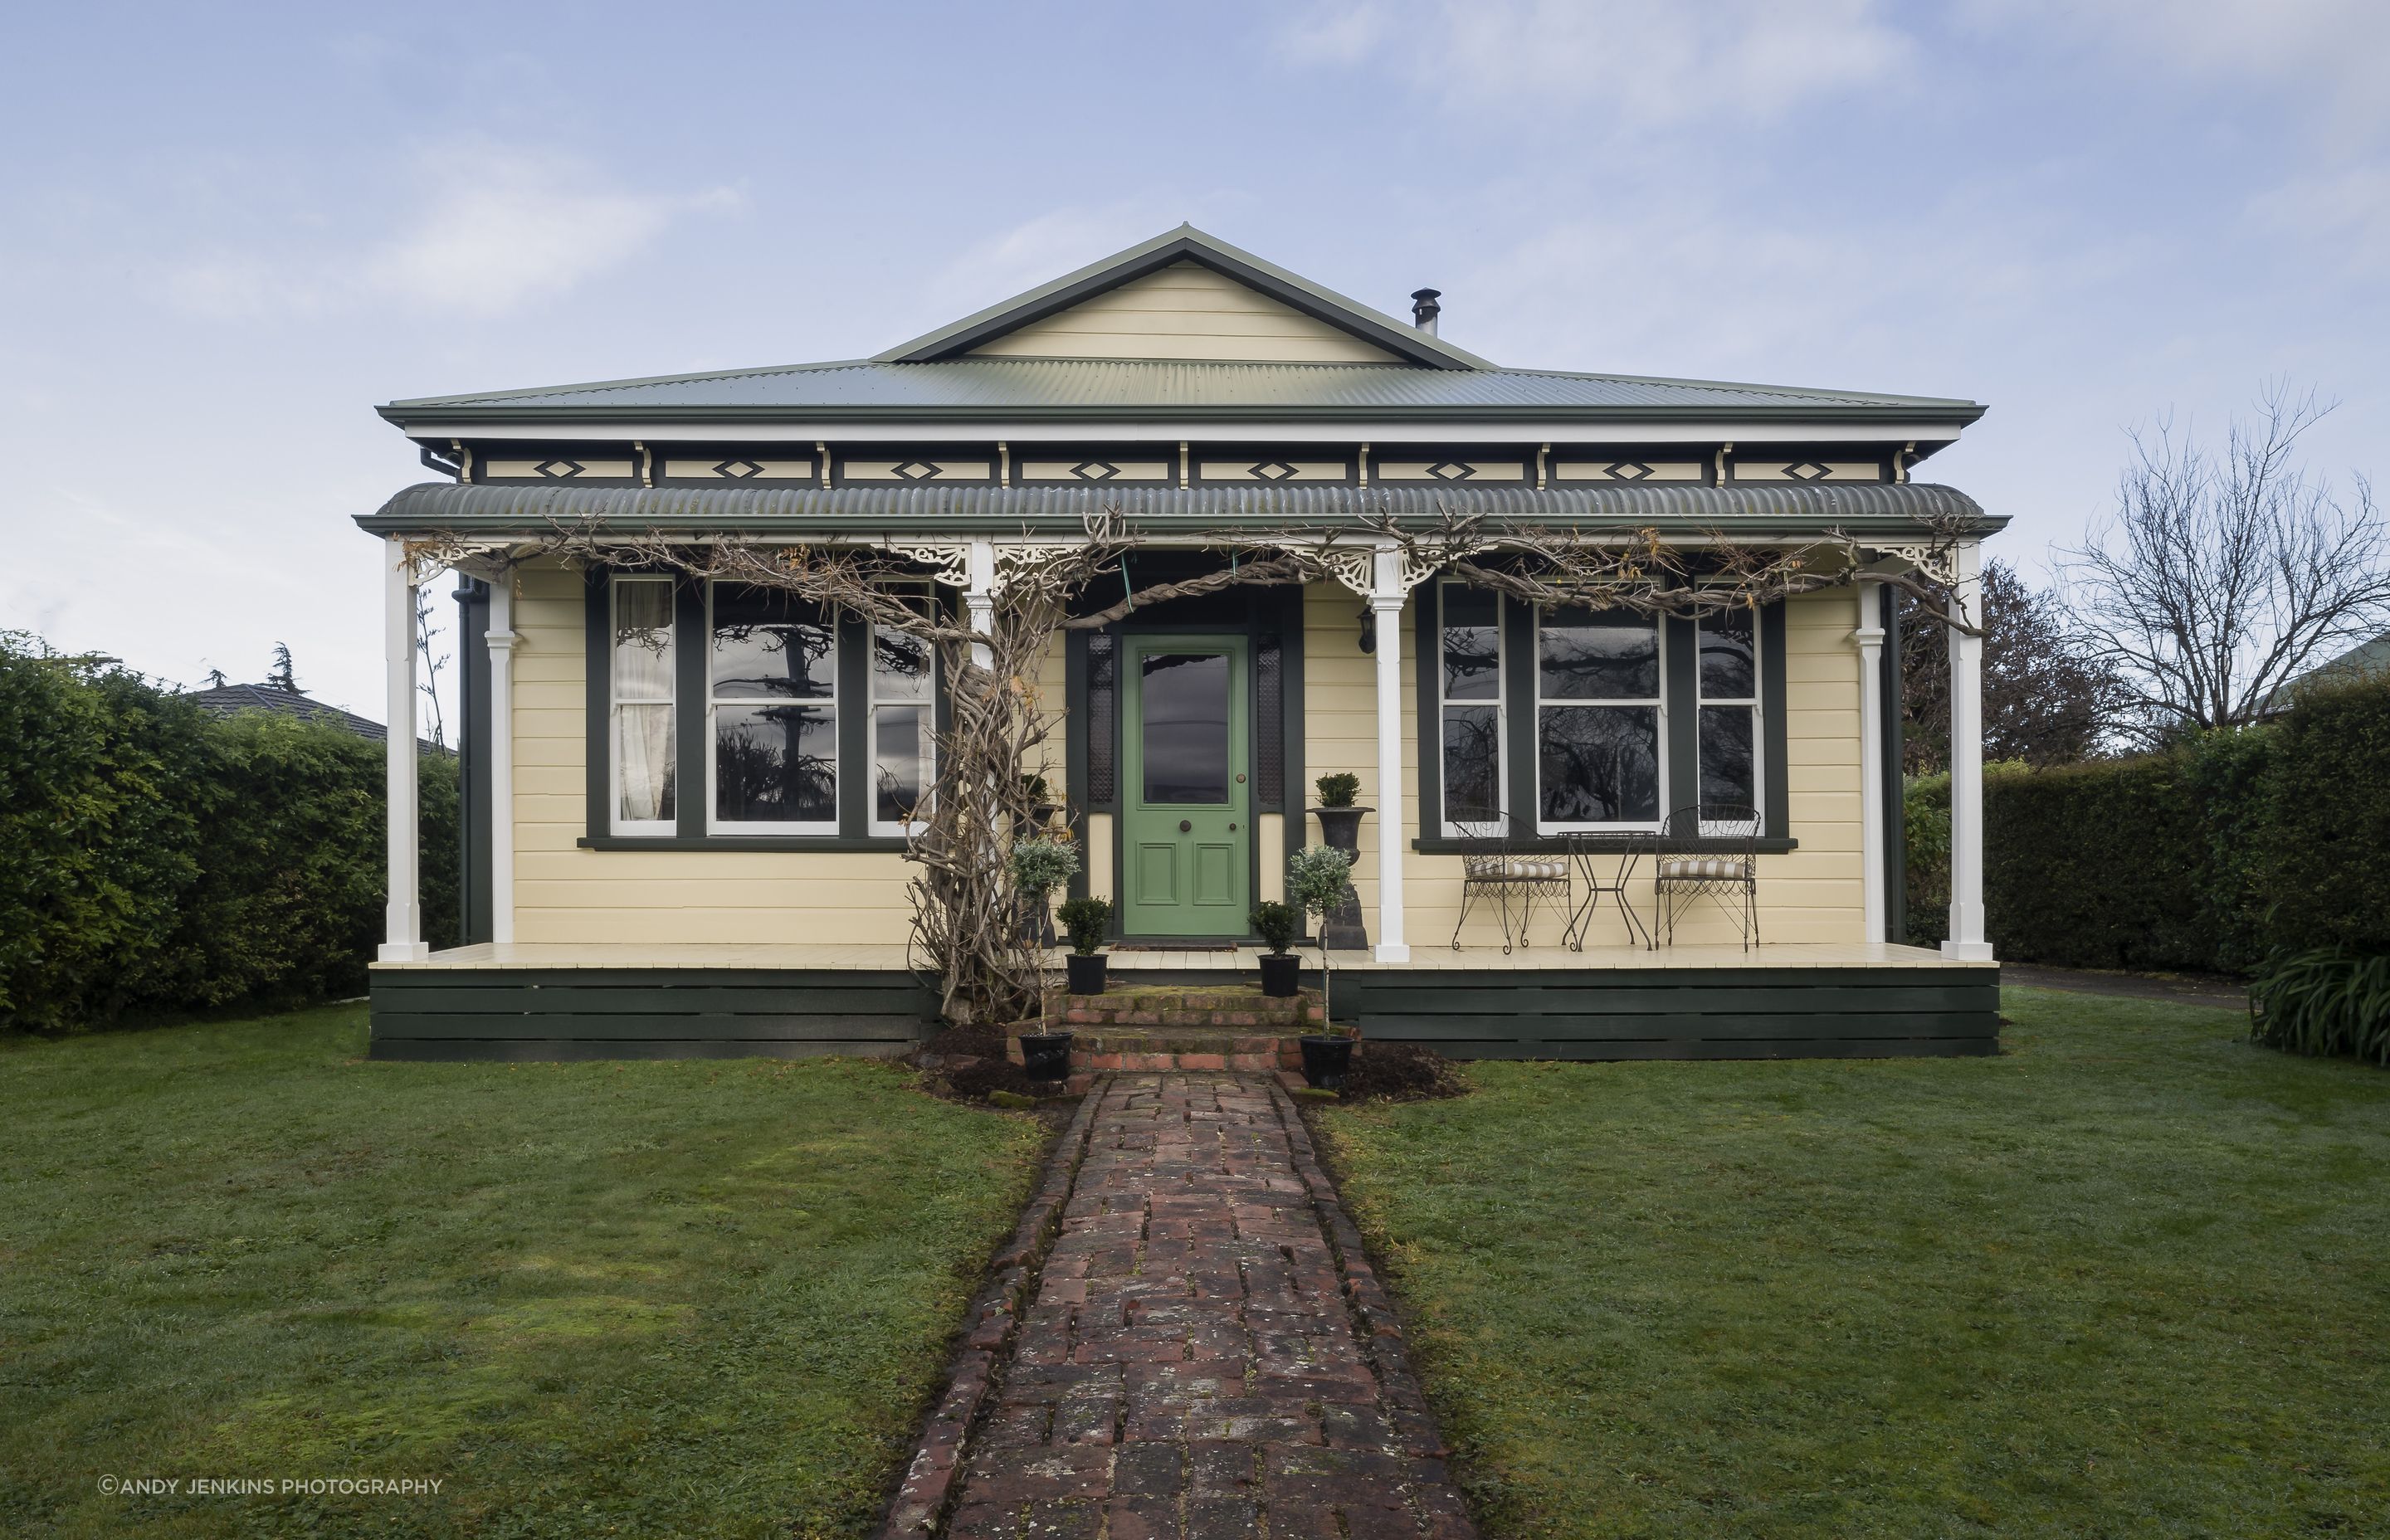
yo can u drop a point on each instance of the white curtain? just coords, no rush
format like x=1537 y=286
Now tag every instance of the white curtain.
x=643 y=694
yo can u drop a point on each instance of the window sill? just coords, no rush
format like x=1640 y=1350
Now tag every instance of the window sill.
x=1559 y=845
x=796 y=844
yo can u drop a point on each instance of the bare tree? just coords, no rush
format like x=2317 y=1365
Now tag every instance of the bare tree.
x=2048 y=698
x=2220 y=577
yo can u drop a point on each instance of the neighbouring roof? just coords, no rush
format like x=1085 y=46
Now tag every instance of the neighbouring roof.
x=538 y=508
x=225 y=699
x=2368 y=659
x=933 y=378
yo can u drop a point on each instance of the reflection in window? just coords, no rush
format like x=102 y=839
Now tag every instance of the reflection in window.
x=904 y=672
x=642 y=697
x=1598 y=715
x=774 y=670
x=1183 y=698
x=1729 y=720
x=1469 y=645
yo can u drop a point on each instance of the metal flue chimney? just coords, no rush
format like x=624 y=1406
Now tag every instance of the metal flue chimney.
x=1424 y=309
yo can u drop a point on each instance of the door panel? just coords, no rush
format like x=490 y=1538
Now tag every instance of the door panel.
x=1186 y=801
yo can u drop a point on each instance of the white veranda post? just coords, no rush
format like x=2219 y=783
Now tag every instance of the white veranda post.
x=501 y=754
x=1967 y=938
x=402 y=939
x=1386 y=611
x=1870 y=637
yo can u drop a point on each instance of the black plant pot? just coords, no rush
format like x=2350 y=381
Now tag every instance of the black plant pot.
x=1342 y=930
x=1326 y=1062
x=1086 y=973
x=1281 y=971
x=1046 y=1056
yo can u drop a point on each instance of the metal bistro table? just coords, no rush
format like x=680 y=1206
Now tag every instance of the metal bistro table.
x=1588 y=854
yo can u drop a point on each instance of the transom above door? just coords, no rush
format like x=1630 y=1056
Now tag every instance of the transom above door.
x=1186 y=807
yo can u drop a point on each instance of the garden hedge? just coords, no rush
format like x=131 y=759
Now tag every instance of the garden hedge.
x=2210 y=855
x=156 y=859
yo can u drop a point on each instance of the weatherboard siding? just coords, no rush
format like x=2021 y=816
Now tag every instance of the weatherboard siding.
x=1185 y=312
x=564 y=893
x=567 y=893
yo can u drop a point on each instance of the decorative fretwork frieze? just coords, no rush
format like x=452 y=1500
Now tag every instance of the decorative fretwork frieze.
x=950 y=565
x=1938 y=560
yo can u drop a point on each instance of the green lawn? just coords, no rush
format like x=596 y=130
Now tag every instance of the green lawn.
x=638 y=1299
x=2132 y=1278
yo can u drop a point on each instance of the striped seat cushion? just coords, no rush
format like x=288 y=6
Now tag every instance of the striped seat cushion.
x=1514 y=868
x=1703 y=868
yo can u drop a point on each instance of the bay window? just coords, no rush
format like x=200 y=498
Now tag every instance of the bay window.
x=1597 y=720
x=727 y=714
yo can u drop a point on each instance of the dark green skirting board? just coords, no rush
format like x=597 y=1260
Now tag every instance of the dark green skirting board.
x=1698 y=1013
x=525 y=1014
x=532 y=1014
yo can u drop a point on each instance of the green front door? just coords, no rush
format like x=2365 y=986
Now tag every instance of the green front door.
x=1188 y=811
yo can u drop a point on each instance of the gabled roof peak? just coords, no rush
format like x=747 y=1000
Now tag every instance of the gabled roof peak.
x=1407 y=344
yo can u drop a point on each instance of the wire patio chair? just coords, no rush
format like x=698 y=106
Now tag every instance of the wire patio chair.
x=1721 y=864
x=1511 y=878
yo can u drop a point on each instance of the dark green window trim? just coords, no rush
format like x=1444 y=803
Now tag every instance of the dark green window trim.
x=792 y=843
x=1519 y=731
x=692 y=756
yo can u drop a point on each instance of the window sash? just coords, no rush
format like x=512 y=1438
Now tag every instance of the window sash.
x=1719 y=709
x=642 y=716
x=1463 y=713
x=816 y=715
x=1656 y=704
x=894 y=697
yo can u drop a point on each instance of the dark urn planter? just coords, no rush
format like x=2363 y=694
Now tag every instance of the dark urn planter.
x=1086 y=973
x=1046 y=1056
x=1326 y=1062
x=1037 y=919
x=1281 y=973
x=1342 y=931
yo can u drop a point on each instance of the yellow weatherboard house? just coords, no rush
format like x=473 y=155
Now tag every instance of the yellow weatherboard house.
x=1614 y=661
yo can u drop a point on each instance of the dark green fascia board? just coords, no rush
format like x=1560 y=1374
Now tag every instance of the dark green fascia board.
x=1163 y=527
x=1184 y=244
x=584 y=420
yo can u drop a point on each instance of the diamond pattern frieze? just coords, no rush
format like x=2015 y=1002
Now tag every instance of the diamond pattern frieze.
x=915 y=470
x=1095 y=470
x=558 y=470
x=1451 y=471
x=1629 y=470
x=1808 y=470
x=1274 y=471
x=738 y=471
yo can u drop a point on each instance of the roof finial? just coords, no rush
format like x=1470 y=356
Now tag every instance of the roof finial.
x=1424 y=309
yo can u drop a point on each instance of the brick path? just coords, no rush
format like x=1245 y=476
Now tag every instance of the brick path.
x=1192 y=1365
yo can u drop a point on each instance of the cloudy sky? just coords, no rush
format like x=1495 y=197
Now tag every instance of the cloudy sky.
x=227 y=232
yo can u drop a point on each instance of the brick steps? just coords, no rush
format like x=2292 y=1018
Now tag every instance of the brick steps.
x=1146 y=1029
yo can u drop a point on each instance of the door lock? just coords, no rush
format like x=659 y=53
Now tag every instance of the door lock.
x=1185 y=827
x=1240 y=777
x=1233 y=828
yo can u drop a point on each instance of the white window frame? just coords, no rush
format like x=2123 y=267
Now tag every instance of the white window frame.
x=615 y=701
x=1660 y=701
x=1501 y=704
x=714 y=822
x=872 y=707
x=1758 y=725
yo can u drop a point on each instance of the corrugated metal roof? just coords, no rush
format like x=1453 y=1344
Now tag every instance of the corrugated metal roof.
x=442 y=505
x=994 y=386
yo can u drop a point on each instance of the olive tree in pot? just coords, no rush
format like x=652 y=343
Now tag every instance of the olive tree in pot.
x=1040 y=865
x=1278 y=925
x=1086 y=919
x=1319 y=878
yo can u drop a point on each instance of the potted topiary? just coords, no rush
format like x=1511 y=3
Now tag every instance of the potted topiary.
x=1340 y=825
x=1086 y=919
x=1038 y=867
x=1278 y=925
x=1319 y=878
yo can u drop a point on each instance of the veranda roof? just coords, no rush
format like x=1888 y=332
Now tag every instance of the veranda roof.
x=1882 y=507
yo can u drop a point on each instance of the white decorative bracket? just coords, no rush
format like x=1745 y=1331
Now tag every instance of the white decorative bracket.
x=1937 y=561
x=950 y=564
